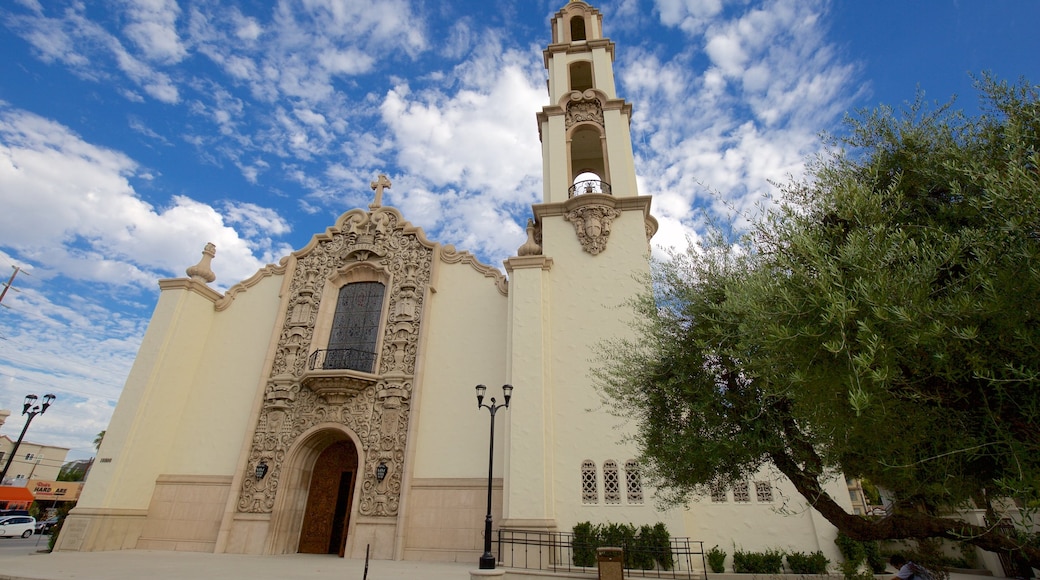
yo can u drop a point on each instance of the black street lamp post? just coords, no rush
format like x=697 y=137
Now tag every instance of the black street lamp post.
x=487 y=561
x=31 y=409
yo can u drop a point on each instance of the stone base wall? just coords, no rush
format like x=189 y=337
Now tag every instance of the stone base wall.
x=96 y=530
x=445 y=520
x=185 y=512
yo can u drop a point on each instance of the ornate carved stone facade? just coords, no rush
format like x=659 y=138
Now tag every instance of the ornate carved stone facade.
x=592 y=224
x=583 y=108
x=374 y=406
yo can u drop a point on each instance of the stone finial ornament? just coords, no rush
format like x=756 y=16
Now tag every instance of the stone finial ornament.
x=202 y=272
x=530 y=247
x=378 y=186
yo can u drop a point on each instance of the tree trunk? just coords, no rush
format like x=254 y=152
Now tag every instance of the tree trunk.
x=899 y=526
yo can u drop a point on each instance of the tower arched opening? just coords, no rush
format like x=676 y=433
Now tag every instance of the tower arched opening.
x=577 y=28
x=580 y=75
x=587 y=156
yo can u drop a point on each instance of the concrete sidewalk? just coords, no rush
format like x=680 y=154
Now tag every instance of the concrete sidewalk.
x=157 y=565
x=161 y=565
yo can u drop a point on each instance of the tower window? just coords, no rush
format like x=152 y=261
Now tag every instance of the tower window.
x=355 y=327
x=577 y=28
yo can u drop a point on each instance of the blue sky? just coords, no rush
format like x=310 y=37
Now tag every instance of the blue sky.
x=132 y=132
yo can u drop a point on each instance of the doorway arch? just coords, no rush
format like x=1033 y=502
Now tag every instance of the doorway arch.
x=329 y=498
x=319 y=493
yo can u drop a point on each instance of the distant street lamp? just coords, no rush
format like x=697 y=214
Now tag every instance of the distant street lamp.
x=487 y=561
x=31 y=409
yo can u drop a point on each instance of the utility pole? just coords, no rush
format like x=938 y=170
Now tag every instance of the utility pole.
x=10 y=281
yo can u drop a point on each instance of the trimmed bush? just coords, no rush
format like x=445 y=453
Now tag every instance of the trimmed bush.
x=717 y=559
x=768 y=562
x=584 y=545
x=644 y=548
x=815 y=563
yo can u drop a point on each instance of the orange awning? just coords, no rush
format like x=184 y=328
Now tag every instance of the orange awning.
x=15 y=493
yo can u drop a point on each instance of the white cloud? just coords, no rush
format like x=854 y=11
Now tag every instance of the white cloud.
x=152 y=27
x=715 y=140
x=70 y=206
x=692 y=16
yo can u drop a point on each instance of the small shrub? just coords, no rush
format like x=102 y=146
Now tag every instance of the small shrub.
x=717 y=560
x=622 y=536
x=815 y=563
x=584 y=545
x=62 y=513
x=875 y=560
x=851 y=550
x=642 y=549
x=768 y=562
x=662 y=546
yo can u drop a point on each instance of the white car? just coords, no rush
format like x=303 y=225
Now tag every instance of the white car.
x=13 y=526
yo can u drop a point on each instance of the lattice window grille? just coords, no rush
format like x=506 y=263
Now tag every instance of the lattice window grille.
x=633 y=482
x=741 y=493
x=589 y=492
x=611 y=483
x=763 y=491
x=718 y=494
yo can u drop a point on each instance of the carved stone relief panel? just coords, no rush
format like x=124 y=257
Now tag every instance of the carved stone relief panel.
x=583 y=108
x=379 y=412
x=592 y=224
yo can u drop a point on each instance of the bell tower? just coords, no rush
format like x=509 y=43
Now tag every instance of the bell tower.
x=586 y=144
x=587 y=255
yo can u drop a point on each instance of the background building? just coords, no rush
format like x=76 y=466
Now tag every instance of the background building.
x=33 y=460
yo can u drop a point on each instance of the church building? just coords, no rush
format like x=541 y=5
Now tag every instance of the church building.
x=328 y=403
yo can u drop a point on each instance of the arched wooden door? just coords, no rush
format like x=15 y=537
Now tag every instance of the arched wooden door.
x=329 y=499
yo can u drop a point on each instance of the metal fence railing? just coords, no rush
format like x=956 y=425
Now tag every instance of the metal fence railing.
x=554 y=551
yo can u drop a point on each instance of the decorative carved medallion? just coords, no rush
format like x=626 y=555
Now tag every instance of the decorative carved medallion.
x=592 y=224
x=583 y=108
x=377 y=407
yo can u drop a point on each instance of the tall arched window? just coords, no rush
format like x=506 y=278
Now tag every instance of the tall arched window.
x=611 y=482
x=355 y=327
x=589 y=491
x=633 y=482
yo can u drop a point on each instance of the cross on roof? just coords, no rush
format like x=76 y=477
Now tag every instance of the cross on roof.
x=378 y=185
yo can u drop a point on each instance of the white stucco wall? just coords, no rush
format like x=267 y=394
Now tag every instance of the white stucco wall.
x=218 y=414
x=185 y=405
x=464 y=345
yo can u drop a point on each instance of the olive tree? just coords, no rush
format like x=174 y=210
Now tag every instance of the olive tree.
x=882 y=320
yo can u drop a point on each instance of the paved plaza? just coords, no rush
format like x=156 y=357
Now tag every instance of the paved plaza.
x=153 y=565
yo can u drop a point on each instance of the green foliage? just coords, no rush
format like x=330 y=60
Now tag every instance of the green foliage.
x=881 y=320
x=584 y=545
x=969 y=556
x=657 y=542
x=876 y=561
x=800 y=563
x=851 y=550
x=62 y=513
x=768 y=562
x=72 y=472
x=644 y=548
x=717 y=559
x=621 y=536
